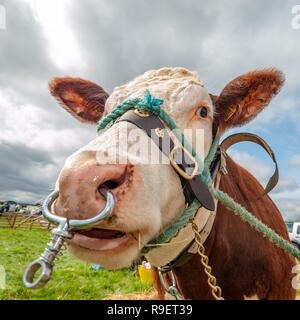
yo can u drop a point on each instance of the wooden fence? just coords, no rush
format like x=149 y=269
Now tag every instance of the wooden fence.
x=16 y=220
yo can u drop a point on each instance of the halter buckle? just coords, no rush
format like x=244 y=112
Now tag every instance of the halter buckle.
x=160 y=132
x=142 y=113
x=176 y=166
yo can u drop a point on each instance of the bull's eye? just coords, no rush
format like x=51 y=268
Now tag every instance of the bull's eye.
x=202 y=112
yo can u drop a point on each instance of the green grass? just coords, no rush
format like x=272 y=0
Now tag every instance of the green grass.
x=71 y=278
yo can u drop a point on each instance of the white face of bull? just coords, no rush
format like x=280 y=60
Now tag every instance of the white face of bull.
x=148 y=196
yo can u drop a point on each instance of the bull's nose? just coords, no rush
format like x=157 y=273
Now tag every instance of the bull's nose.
x=79 y=196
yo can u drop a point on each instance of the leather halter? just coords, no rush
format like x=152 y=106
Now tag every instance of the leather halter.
x=194 y=187
x=192 y=184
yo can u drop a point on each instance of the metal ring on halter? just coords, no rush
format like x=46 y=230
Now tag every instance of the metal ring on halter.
x=31 y=270
x=172 y=290
x=79 y=224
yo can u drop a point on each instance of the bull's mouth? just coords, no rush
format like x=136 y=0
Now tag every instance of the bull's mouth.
x=102 y=239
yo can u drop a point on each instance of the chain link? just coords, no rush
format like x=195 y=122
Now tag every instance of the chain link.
x=212 y=281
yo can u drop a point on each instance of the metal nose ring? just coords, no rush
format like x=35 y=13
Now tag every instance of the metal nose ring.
x=60 y=234
x=79 y=224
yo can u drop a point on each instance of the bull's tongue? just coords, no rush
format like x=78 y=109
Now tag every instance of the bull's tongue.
x=101 y=233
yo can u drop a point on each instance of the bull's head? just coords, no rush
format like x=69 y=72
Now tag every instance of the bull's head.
x=149 y=197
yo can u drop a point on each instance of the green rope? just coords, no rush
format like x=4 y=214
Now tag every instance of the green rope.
x=116 y=113
x=246 y=216
x=151 y=104
x=255 y=223
x=174 y=228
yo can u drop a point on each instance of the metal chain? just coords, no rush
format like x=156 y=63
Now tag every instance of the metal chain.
x=212 y=281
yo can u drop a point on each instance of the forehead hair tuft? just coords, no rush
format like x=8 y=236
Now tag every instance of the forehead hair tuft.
x=169 y=84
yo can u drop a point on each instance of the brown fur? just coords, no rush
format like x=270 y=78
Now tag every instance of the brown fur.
x=85 y=100
x=250 y=93
x=243 y=261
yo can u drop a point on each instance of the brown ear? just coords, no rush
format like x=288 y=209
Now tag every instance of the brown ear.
x=244 y=97
x=85 y=100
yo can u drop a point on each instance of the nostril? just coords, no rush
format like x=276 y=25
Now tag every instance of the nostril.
x=113 y=183
x=109 y=184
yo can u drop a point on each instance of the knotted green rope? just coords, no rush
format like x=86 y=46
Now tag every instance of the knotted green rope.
x=151 y=104
x=174 y=228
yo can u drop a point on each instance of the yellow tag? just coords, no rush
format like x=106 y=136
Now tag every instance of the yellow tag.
x=231 y=112
x=98 y=109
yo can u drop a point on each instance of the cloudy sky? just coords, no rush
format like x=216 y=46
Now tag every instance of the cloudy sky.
x=110 y=42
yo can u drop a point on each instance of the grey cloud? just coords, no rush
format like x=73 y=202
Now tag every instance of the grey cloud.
x=24 y=60
x=295 y=161
x=22 y=169
x=25 y=64
x=126 y=38
x=286 y=184
x=28 y=155
x=290 y=209
x=121 y=39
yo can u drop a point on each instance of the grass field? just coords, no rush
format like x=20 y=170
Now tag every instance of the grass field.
x=71 y=278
